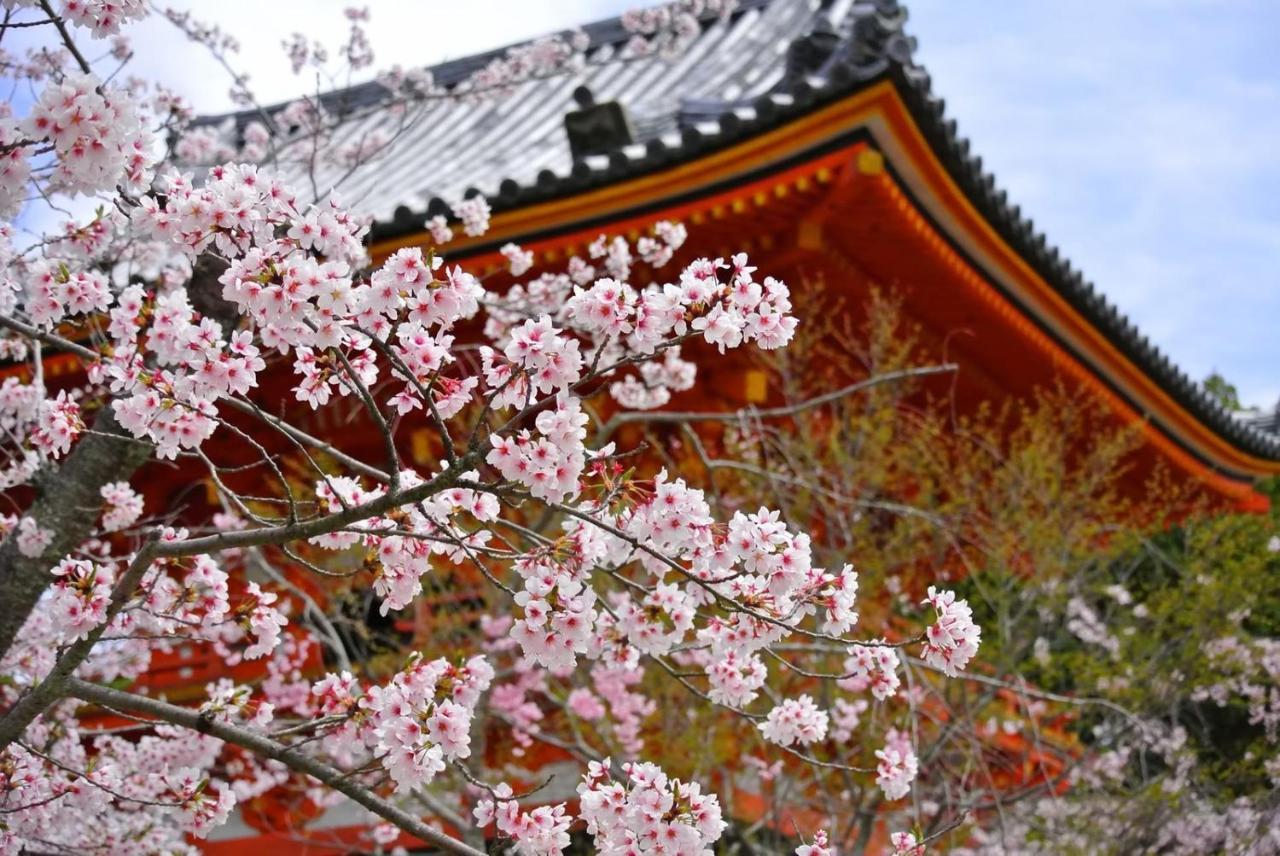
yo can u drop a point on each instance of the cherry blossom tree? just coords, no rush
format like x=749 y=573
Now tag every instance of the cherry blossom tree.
x=204 y=284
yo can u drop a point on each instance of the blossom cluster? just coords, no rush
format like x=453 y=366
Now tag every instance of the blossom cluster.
x=32 y=539
x=56 y=291
x=103 y=17
x=405 y=539
x=726 y=313
x=906 y=844
x=897 y=766
x=152 y=789
x=874 y=667
x=422 y=717
x=124 y=506
x=542 y=831
x=952 y=640
x=81 y=595
x=795 y=720
x=550 y=464
x=647 y=812
x=820 y=846
x=557 y=612
x=670 y=27
x=96 y=131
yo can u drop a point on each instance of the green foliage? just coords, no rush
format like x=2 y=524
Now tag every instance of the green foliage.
x=1223 y=392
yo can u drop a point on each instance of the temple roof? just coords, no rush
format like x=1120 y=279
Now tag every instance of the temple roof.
x=729 y=83
x=770 y=63
x=1262 y=420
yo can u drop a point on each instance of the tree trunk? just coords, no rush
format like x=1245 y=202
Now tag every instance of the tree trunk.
x=67 y=504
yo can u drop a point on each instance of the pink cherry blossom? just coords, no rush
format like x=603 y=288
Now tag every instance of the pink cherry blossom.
x=874 y=667
x=952 y=640
x=31 y=538
x=797 y=720
x=474 y=214
x=906 y=844
x=124 y=506
x=819 y=847
x=895 y=771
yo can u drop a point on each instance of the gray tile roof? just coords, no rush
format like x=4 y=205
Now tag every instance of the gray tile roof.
x=1262 y=420
x=450 y=146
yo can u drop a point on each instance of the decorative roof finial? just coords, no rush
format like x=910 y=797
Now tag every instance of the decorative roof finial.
x=596 y=129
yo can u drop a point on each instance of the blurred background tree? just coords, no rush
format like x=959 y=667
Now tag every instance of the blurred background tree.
x=1127 y=699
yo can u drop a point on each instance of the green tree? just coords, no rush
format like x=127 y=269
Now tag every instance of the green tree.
x=1223 y=391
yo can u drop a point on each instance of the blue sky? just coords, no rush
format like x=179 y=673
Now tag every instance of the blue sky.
x=1142 y=136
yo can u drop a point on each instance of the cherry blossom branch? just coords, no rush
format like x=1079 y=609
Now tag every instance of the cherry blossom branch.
x=48 y=338
x=297 y=434
x=80 y=774
x=674 y=416
x=53 y=686
x=1022 y=688
x=67 y=41
x=474 y=836
x=425 y=394
x=260 y=744
x=320 y=525
x=311 y=610
x=19 y=25
x=375 y=414
x=706 y=585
